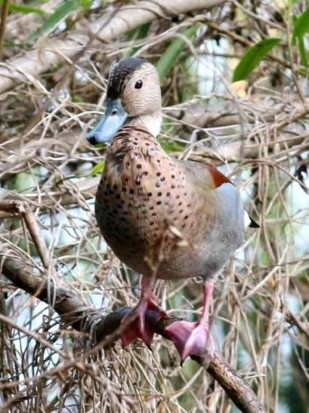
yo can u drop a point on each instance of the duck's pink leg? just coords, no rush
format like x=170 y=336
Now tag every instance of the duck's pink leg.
x=136 y=324
x=193 y=338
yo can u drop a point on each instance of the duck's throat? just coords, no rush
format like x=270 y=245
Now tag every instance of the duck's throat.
x=151 y=122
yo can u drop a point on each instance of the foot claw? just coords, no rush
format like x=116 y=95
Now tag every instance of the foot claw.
x=191 y=340
x=140 y=325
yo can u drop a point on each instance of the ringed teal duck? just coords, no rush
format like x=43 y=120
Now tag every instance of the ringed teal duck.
x=162 y=217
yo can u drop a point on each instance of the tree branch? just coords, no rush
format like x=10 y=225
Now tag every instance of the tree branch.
x=104 y=329
x=112 y=25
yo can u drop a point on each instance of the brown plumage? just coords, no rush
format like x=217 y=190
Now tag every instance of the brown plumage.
x=143 y=192
x=162 y=217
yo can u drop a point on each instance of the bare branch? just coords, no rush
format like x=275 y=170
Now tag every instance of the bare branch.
x=105 y=328
x=112 y=25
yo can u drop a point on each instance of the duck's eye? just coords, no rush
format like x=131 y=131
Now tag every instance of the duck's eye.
x=138 y=84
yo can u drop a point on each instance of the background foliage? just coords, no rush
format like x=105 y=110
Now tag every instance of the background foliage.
x=235 y=90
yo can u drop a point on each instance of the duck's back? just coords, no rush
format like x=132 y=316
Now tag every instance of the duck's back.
x=161 y=217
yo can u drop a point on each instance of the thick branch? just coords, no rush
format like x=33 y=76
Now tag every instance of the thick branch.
x=110 y=26
x=86 y=319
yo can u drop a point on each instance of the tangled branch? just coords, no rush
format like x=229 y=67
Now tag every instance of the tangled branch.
x=110 y=26
x=104 y=329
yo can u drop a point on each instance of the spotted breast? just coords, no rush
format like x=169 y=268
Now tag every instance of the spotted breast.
x=147 y=201
x=162 y=217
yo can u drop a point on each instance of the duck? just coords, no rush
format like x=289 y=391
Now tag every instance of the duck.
x=162 y=217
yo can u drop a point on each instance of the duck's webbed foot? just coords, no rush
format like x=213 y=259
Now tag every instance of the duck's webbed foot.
x=193 y=339
x=136 y=324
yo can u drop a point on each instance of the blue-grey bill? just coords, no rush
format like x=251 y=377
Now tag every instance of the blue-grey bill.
x=113 y=119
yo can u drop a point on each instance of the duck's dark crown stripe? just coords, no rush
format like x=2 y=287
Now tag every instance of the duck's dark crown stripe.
x=120 y=72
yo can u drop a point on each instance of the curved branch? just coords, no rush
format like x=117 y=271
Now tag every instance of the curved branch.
x=105 y=328
x=112 y=25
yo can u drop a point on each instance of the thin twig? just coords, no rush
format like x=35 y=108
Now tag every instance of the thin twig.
x=4 y=14
x=105 y=328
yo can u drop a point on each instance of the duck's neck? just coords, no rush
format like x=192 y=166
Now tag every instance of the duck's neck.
x=152 y=122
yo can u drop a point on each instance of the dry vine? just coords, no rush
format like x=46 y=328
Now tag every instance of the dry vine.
x=256 y=131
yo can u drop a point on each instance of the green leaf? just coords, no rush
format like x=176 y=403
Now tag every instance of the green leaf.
x=77 y=99
x=140 y=32
x=170 y=56
x=24 y=182
x=301 y=26
x=98 y=168
x=54 y=19
x=25 y=9
x=59 y=14
x=303 y=52
x=86 y=4
x=171 y=146
x=253 y=57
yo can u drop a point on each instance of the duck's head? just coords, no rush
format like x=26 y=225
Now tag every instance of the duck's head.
x=133 y=97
